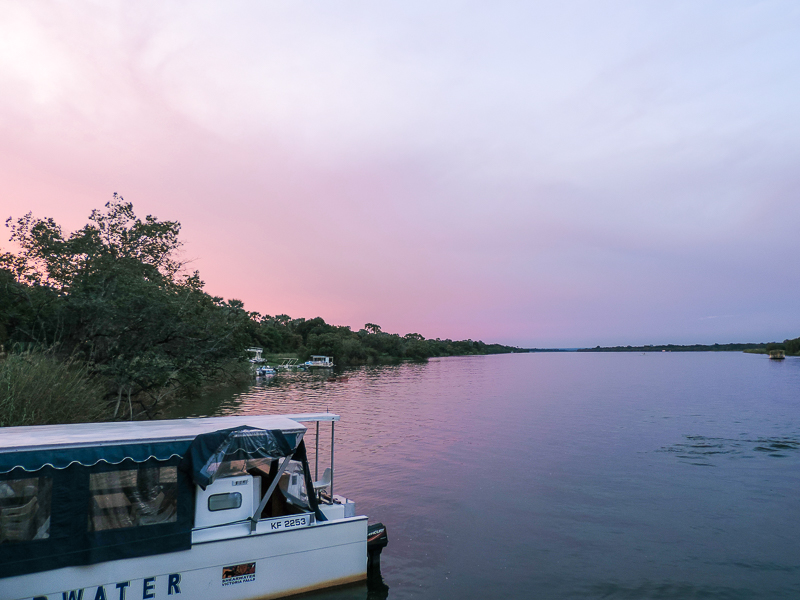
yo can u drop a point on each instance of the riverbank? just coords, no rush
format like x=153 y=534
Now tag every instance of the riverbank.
x=112 y=304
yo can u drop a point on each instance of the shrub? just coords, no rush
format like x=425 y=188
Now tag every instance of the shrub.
x=36 y=389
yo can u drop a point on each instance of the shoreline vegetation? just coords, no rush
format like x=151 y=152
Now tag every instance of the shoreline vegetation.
x=790 y=347
x=104 y=323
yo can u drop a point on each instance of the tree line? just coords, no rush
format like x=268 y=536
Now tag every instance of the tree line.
x=369 y=345
x=733 y=347
x=791 y=347
x=113 y=301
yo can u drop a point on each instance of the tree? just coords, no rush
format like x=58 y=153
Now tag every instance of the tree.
x=792 y=346
x=372 y=328
x=114 y=294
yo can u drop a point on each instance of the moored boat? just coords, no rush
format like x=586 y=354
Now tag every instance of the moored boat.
x=320 y=361
x=256 y=358
x=223 y=508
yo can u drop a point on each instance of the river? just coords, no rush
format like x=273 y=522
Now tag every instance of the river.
x=564 y=475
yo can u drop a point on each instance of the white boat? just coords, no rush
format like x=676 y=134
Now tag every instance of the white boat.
x=264 y=371
x=320 y=361
x=256 y=359
x=221 y=508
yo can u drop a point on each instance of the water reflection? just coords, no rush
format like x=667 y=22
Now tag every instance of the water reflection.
x=371 y=590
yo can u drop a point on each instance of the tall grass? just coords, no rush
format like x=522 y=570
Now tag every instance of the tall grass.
x=37 y=388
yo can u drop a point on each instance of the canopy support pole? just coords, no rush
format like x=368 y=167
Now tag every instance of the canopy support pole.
x=316 y=456
x=265 y=499
x=332 y=430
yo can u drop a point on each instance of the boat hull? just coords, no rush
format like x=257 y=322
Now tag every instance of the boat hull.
x=259 y=566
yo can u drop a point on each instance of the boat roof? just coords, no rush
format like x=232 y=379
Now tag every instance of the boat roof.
x=81 y=435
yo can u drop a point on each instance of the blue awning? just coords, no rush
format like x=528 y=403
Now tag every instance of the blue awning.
x=61 y=458
x=59 y=446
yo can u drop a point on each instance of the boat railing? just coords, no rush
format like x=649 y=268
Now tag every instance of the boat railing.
x=317 y=418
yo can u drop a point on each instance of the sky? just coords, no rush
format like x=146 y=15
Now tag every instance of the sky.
x=543 y=174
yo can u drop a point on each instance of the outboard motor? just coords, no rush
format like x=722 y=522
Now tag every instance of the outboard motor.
x=376 y=541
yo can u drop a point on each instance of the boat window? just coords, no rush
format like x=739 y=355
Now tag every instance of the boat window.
x=224 y=501
x=293 y=484
x=25 y=509
x=133 y=497
x=253 y=466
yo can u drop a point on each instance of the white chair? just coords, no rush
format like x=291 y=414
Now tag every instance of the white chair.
x=324 y=482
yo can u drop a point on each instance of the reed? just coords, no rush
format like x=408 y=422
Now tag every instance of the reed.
x=37 y=388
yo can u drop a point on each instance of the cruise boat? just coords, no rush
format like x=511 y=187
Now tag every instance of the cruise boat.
x=221 y=508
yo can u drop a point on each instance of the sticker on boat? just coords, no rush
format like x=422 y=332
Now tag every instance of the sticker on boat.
x=239 y=573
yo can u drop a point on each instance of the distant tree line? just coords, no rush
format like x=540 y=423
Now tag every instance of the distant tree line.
x=111 y=303
x=369 y=345
x=792 y=347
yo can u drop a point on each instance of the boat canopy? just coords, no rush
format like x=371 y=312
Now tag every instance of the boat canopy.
x=87 y=444
x=209 y=451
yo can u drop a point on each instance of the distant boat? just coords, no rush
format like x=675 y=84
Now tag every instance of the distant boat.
x=320 y=361
x=257 y=355
x=264 y=371
x=777 y=354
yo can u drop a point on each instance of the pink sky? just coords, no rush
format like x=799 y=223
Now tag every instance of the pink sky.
x=541 y=174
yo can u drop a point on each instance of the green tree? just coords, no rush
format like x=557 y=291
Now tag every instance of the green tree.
x=792 y=346
x=114 y=294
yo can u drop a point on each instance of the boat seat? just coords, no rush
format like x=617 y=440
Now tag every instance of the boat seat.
x=325 y=481
x=17 y=523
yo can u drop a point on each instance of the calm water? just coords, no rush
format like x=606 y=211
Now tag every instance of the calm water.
x=670 y=475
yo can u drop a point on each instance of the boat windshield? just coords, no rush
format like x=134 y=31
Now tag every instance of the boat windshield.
x=292 y=482
x=252 y=466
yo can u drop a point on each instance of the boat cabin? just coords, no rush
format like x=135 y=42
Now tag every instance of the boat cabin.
x=96 y=493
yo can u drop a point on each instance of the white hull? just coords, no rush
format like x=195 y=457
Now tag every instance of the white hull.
x=286 y=563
